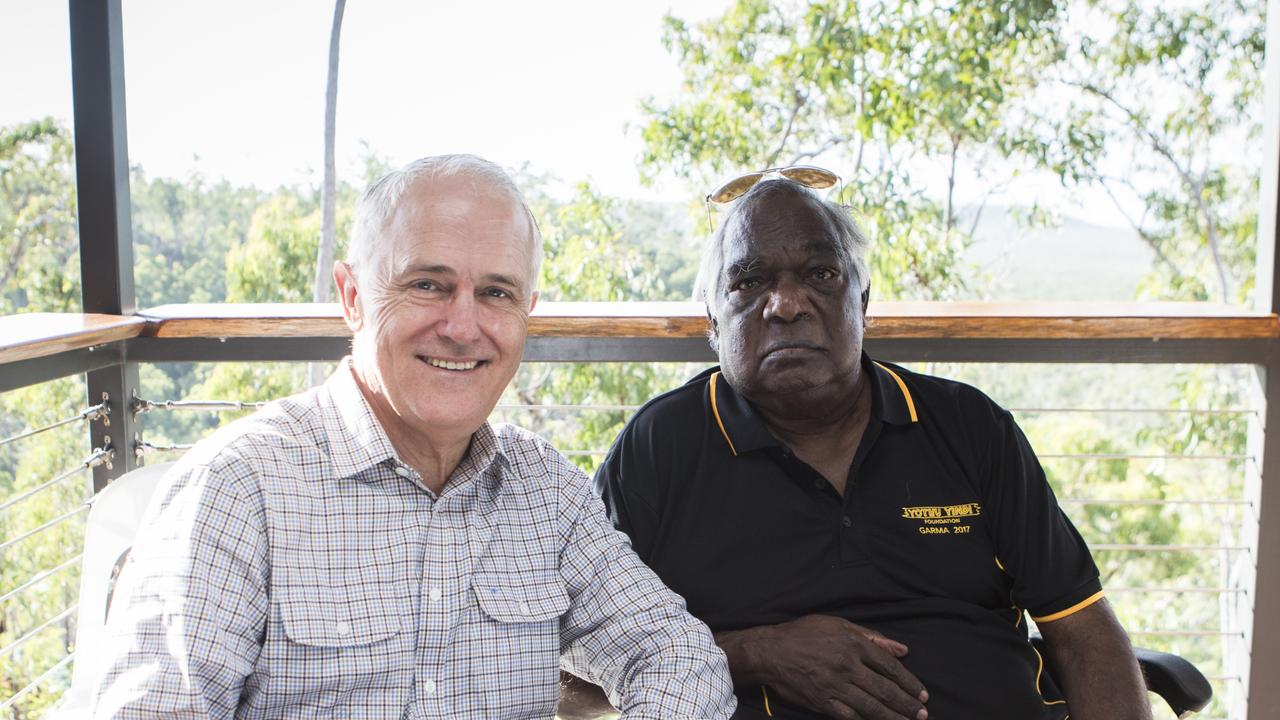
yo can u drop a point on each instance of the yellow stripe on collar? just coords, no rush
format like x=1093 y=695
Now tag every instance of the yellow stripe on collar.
x=715 y=410
x=906 y=394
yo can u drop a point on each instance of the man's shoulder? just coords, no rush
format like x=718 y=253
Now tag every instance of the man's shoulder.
x=533 y=457
x=281 y=432
x=683 y=404
x=946 y=398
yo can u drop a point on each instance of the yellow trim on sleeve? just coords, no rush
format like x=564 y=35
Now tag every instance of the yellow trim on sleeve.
x=1000 y=565
x=911 y=405
x=765 y=692
x=1071 y=610
x=715 y=410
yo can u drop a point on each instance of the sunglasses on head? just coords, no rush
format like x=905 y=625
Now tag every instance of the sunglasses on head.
x=809 y=176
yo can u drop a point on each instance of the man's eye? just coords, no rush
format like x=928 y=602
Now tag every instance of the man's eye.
x=824 y=274
x=425 y=285
x=497 y=293
x=749 y=283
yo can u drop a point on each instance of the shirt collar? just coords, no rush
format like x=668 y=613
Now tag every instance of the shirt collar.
x=357 y=441
x=745 y=430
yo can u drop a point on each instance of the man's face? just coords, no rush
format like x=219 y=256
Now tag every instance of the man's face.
x=790 y=319
x=442 y=312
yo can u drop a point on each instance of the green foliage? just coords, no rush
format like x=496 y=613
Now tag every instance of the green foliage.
x=1177 y=90
x=26 y=466
x=182 y=232
x=882 y=88
x=589 y=257
x=39 y=265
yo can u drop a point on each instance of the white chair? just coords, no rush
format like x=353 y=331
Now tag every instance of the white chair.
x=112 y=526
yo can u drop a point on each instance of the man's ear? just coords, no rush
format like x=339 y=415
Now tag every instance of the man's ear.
x=866 y=298
x=533 y=300
x=348 y=295
x=713 y=331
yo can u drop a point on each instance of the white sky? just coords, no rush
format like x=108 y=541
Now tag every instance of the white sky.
x=236 y=88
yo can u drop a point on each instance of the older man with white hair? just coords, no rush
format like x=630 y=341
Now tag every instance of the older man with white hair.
x=374 y=547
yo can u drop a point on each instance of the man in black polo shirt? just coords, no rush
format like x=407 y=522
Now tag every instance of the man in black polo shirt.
x=862 y=539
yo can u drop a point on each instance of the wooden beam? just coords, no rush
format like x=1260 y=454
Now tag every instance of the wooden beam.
x=36 y=335
x=889 y=320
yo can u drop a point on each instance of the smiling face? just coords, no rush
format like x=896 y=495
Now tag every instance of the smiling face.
x=790 y=317
x=441 y=312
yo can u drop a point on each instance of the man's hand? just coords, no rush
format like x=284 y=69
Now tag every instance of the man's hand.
x=828 y=665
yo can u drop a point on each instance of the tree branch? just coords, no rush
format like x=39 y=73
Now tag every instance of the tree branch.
x=1193 y=185
x=800 y=100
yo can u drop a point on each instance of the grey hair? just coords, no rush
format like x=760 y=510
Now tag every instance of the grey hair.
x=852 y=243
x=378 y=203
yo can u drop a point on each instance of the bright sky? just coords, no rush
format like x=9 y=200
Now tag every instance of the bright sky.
x=236 y=88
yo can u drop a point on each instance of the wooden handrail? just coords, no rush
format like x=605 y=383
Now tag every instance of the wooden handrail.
x=34 y=335
x=1032 y=321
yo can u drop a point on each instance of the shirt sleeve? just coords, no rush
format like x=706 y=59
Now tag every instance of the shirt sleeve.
x=1036 y=545
x=187 y=619
x=628 y=633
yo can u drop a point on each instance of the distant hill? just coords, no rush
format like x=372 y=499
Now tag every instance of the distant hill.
x=1074 y=261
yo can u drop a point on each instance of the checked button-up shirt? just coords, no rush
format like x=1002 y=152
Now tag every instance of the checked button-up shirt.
x=293 y=567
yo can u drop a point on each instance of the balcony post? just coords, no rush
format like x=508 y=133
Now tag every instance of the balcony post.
x=106 y=226
x=1263 y=487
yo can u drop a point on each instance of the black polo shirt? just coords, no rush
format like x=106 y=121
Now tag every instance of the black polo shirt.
x=946 y=533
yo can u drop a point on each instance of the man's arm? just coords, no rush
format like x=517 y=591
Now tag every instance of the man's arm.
x=829 y=665
x=1093 y=663
x=187 y=618
x=628 y=633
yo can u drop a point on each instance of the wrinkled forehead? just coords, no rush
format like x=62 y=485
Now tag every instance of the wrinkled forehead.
x=779 y=224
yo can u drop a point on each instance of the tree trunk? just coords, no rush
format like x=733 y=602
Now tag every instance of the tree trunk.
x=324 y=255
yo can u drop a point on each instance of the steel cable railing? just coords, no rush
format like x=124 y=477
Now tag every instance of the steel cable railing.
x=7 y=649
x=44 y=676
x=101 y=410
x=40 y=577
x=100 y=456
x=141 y=406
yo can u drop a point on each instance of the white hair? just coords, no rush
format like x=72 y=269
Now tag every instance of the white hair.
x=851 y=243
x=379 y=202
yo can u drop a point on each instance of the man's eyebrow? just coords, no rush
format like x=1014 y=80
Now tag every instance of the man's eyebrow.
x=743 y=266
x=433 y=269
x=500 y=279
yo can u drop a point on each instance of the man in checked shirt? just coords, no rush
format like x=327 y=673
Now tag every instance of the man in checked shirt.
x=373 y=547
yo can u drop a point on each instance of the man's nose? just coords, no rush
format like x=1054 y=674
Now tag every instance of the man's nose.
x=785 y=301
x=461 y=321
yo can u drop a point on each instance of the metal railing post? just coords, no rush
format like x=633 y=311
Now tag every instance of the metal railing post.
x=106 y=228
x=1264 y=488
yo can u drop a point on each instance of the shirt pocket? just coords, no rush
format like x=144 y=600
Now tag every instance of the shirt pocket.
x=510 y=639
x=344 y=648
x=512 y=597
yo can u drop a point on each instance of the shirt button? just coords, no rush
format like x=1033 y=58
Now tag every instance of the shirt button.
x=819 y=483
x=403 y=472
x=846 y=521
x=343 y=628
x=435 y=594
x=429 y=687
x=524 y=608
